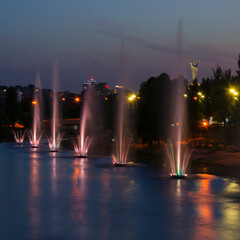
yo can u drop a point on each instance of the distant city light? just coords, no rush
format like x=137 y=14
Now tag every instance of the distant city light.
x=34 y=102
x=205 y=123
x=77 y=99
x=185 y=95
x=63 y=99
x=195 y=98
x=18 y=125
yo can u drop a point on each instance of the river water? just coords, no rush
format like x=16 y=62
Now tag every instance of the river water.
x=56 y=196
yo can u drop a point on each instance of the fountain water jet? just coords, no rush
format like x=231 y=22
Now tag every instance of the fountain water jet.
x=178 y=149
x=55 y=139
x=35 y=133
x=178 y=156
x=122 y=147
x=84 y=141
x=19 y=136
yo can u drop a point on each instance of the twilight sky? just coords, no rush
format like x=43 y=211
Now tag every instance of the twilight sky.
x=115 y=41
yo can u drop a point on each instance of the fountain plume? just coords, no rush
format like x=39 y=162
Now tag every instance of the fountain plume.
x=121 y=146
x=84 y=141
x=178 y=149
x=55 y=139
x=121 y=154
x=19 y=136
x=35 y=133
x=178 y=156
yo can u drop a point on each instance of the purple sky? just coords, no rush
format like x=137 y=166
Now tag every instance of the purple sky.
x=112 y=40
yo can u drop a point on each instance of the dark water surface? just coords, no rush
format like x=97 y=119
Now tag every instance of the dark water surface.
x=55 y=196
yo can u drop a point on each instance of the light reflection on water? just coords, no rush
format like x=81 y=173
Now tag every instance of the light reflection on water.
x=34 y=195
x=74 y=198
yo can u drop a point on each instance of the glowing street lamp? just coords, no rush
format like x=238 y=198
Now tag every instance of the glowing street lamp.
x=77 y=99
x=233 y=91
x=34 y=102
x=132 y=97
x=205 y=124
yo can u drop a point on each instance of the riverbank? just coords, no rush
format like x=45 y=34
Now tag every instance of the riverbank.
x=223 y=163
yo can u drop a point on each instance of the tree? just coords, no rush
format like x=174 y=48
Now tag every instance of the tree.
x=153 y=108
x=12 y=105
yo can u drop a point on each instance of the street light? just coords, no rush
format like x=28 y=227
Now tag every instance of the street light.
x=233 y=91
x=34 y=102
x=205 y=124
x=132 y=97
x=77 y=99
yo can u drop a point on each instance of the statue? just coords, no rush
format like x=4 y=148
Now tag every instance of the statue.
x=194 y=68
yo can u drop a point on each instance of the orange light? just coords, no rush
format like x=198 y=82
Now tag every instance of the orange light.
x=18 y=125
x=106 y=98
x=63 y=99
x=4 y=90
x=77 y=99
x=195 y=98
x=177 y=124
x=204 y=124
x=34 y=102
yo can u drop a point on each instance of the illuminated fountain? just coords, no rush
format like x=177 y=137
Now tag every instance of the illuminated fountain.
x=55 y=139
x=19 y=136
x=121 y=145
x=178 y=149
x=120 y=157
x=178 y=156
x=35 y=133
x=84 y=141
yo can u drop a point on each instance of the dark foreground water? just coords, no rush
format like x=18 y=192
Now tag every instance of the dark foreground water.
x=55 y=196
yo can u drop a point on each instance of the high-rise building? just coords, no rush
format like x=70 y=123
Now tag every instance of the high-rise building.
x=101 y=87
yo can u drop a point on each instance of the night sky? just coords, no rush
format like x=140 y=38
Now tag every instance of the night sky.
x=112 y=40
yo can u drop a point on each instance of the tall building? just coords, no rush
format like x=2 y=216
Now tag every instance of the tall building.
x=101 y=87
x=117 y=89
